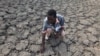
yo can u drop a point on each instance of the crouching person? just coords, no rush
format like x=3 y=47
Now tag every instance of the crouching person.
x=53 y=23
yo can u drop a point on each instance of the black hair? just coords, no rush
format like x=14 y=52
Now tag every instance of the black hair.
x=52 y=12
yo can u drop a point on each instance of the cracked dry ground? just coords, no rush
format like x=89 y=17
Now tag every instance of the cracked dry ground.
x=21 y=23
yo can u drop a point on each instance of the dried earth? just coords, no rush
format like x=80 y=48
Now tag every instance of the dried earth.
x=21 y=23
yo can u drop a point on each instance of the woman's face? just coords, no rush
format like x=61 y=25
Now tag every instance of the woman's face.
x=51 y=19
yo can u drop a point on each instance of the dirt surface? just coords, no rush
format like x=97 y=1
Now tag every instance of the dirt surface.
x=21 y=23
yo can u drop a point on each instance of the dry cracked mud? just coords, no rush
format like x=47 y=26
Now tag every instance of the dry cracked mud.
x=21 y=23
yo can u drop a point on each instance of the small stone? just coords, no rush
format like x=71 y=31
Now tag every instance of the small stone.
x=22 y=45
x=86 y=42
x=24 y=53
